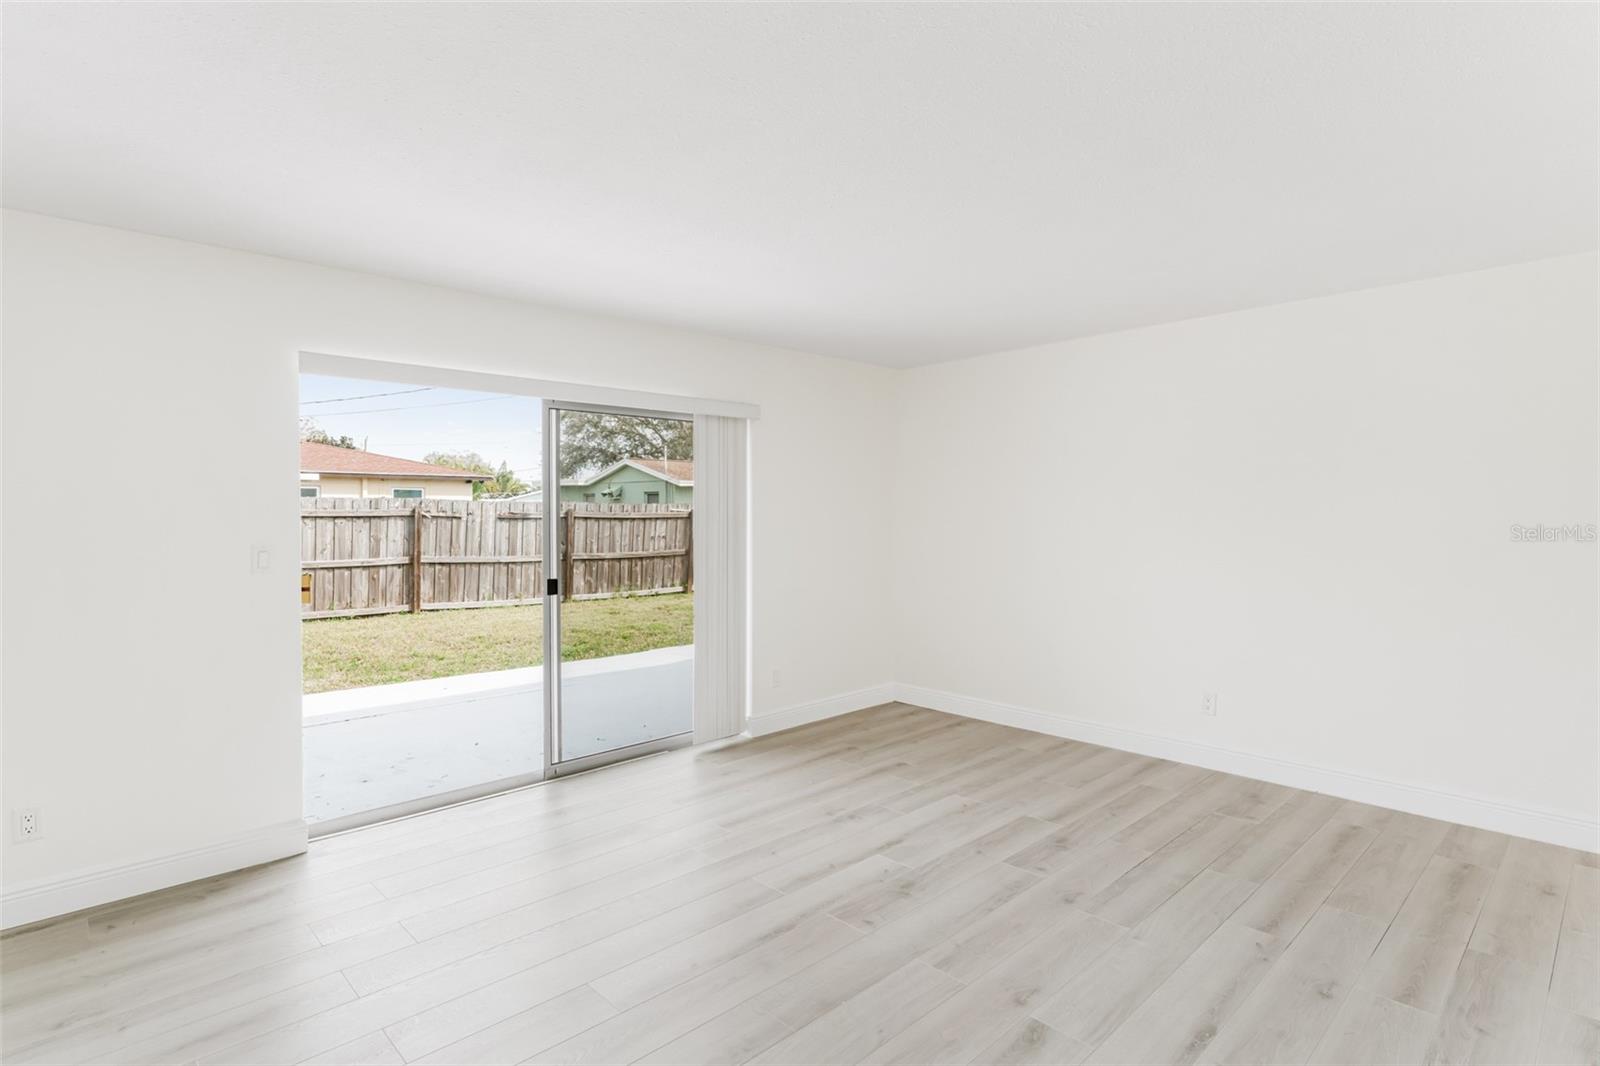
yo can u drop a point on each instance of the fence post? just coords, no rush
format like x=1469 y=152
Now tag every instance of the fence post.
x=688 y=543
x=416 y=558
x=566 y=563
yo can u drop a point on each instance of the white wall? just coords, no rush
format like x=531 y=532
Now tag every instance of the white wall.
x=1305 y=508
x=151 y=686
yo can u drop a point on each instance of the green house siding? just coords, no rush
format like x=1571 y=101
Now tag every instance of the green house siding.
x=629 y=485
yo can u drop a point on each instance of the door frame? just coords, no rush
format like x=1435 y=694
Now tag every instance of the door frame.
x=607 y=399
x=550 y=412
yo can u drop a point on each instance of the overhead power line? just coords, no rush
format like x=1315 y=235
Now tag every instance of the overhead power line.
x=415 y=407
x=367 y=396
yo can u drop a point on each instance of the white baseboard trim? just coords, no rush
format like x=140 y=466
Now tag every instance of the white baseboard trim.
x=39 y=900
x=761 y=725
x=1550 y=826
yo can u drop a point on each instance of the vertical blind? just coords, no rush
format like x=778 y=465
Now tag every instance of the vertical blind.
x=721 y=581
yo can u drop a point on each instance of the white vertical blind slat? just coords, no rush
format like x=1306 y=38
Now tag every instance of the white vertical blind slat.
x=721 y=567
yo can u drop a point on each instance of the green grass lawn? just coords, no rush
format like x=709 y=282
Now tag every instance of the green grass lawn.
x=381 y=649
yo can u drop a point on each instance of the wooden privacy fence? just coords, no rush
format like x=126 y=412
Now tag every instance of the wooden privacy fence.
x=377 y=556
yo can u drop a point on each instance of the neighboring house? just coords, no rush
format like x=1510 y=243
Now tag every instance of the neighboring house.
x=668 y=481
x=326 y=470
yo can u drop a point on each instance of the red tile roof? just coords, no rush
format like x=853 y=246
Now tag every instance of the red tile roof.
x=675 y=469
x=329 y=459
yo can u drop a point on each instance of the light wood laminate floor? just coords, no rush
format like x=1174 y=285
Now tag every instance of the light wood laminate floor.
x=892 y=886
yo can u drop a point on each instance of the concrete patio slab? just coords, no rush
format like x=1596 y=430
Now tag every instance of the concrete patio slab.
x=384 y=745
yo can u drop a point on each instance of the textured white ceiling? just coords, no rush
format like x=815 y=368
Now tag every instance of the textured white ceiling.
x=895 y=183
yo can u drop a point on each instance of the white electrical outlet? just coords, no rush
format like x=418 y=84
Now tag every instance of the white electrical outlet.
x=776 y=679
x=1208 y=704
x=28 y=827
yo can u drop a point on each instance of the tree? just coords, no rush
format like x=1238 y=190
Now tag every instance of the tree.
x=504 y=483
x=501 y=482
x=591 y=441
x=310 y=431
x=471 y=462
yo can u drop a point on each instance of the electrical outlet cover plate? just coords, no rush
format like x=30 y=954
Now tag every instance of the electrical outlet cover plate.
x=27 y=826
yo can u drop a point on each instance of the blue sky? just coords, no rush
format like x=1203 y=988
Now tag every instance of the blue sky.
x=413 y=421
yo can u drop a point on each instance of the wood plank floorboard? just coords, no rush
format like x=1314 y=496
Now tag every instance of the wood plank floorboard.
x=895 y=885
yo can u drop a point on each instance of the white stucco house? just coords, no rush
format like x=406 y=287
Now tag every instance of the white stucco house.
x=328 y=470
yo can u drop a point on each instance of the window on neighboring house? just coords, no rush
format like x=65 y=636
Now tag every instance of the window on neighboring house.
x=652 y=497
x=310 y=491
x=588 y=497
x=408 y=494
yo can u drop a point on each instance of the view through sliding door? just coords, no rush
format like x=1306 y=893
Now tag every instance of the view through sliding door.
x=619 y=604
x=429 y=542
x=422 y=596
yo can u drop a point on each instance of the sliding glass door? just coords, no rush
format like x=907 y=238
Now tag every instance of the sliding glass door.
x=619 y=610
x=422 y=596
x=485 y=601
